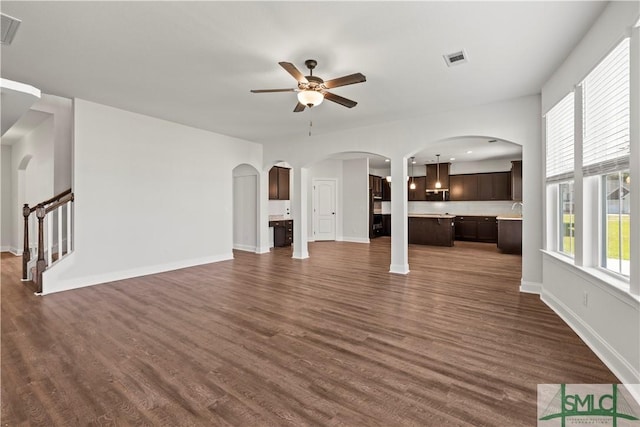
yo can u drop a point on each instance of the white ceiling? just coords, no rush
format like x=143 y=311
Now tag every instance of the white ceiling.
x=195 y=62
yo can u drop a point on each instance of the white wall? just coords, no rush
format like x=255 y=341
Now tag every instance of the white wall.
x=610 y=320
x=499 y=165
x=326 y=169
x=6 y=213
x=150 y=196
x=355 y=200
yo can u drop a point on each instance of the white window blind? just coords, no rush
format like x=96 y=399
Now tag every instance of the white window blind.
x=559 y=122
x=606 y=114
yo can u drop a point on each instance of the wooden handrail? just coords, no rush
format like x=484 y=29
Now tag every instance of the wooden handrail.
x=56 y=205
x=51 y=200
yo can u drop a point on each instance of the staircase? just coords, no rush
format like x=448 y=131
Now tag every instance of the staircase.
x=54 y=215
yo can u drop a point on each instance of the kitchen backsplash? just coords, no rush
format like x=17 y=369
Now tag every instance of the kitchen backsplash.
x=280 y=208
x=464 y=208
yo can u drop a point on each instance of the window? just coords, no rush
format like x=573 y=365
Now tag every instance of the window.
x=560 y=165
x=616 y=227
x=606 y=150
x=566 y=242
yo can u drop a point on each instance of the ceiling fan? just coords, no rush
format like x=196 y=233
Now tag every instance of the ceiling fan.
x=312 y=90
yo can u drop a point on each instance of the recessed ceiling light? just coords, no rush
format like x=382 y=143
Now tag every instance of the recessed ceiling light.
x=387 y=160
x=452 y=158
x=469 y=152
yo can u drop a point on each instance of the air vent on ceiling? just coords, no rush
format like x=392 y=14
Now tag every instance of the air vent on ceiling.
x=8 y=28
x=456 y=58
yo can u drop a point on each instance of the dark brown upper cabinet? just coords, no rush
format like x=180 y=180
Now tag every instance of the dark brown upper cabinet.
x=432 y=175
x=516 y=180
x=419 y=194
x=386 y=190
x=278 y=183
x=463 y=187
x=481 y=186
x=375 y=184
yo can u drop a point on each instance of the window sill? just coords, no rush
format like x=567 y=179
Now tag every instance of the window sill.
x=615 y=286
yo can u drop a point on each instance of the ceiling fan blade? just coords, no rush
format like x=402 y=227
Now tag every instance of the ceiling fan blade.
x=291 y=69
x=346 y=80
x=340 y=100
x=271 y=90
x=299 y=107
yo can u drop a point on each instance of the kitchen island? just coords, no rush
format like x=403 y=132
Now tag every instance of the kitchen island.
x=431 y=229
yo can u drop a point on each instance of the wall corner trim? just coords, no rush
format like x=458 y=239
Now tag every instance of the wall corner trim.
x=530 y=287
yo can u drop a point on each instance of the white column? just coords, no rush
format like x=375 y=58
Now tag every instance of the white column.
x=399 y=219
x=299 y=196
x=634 y=161
x=262 y=245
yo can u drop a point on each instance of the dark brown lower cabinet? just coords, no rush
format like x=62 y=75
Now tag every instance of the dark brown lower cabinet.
x=386 y=225
x=510 y=236
x=431 y=231
x=282 y=232
x=476 y=228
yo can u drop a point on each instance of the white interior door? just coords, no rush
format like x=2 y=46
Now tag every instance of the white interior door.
x=324 y=209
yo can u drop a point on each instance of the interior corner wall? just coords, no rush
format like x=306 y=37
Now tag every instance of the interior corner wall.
x=609 y=322
x=150 y=196
x=355 y=200
x=6 y=214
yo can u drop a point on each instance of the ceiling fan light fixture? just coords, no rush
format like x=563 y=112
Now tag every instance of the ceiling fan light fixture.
x=310 y=98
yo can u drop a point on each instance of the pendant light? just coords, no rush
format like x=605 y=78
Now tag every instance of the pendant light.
x=412 y=186
x=438 y=184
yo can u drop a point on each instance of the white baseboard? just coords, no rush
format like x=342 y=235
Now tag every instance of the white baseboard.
x=620 y=367
x=245 y=248
x=51 y=285
x=399 y=268
x=11 y=249
x=353 y=239
x=530 y=287
x=263 y=250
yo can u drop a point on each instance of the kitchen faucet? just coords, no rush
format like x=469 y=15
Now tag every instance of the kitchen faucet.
x=515 y=205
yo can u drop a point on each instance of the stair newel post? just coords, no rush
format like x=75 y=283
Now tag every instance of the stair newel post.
x=26 y=252
x=41 y=264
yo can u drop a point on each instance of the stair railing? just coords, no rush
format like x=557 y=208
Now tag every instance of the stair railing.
x=55 y=204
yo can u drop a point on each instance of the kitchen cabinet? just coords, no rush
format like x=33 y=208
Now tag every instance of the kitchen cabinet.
x=282 y=232
x=278 y=183
x=386 y=190
x=436 y=230
x=432 y=176
x=516 y=180
x=476 y=228
x=419 y=194
x=463 y=187
x=510 y=235
x=375 y=184
x=386 y=225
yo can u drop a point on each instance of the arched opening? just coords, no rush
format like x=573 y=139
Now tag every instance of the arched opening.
x=245 y=208
x=478 y=194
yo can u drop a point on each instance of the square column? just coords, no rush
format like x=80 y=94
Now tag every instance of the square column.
x=399 y=218
x=299 y=212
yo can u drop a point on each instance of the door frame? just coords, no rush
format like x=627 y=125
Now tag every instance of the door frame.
x=314 y=202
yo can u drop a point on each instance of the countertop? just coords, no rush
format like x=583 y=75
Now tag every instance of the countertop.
x=431 y=216
x=509 y=217
x=278 y=218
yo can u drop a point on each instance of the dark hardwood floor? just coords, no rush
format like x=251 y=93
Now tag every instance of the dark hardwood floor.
x=268 y=340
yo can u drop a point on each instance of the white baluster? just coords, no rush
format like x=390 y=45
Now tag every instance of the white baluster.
x=59 y=212
x=49 y=242
x=68 y=227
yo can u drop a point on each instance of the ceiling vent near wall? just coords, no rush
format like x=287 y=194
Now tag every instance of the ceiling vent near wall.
x=456 y=58
x=8 y=27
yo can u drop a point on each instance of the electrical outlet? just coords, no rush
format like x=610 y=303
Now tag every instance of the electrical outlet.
x=585 y=298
